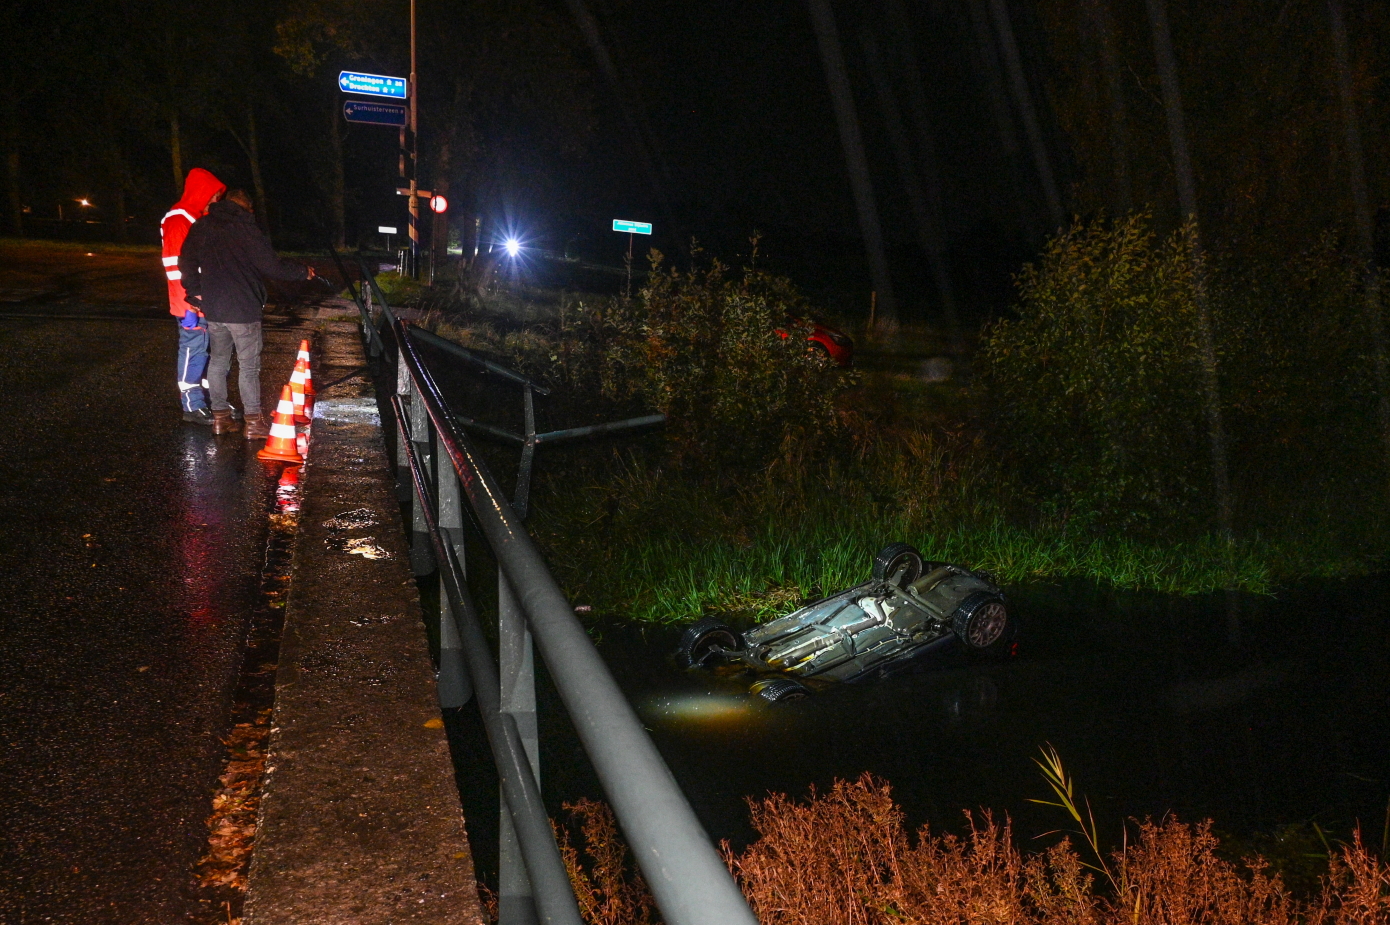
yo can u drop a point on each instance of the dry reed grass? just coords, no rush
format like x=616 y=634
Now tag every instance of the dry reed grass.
x=845 y=858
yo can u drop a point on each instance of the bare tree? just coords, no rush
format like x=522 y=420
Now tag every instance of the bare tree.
x=847 y=119
x=1027 y=111
x=926 y=219
x=1102 y=23
x=1361 y=208
x=1187 y=201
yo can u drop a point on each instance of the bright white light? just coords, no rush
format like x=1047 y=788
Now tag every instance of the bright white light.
x=513 y=247
x=84 y=202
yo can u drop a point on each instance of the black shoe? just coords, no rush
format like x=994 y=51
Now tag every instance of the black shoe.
x=198 y=416
x=236 y=413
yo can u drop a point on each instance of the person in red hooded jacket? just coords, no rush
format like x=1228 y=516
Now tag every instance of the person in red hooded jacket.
x=200 y=190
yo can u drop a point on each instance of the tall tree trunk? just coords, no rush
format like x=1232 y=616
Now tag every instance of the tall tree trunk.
x=337 y=191
x=927 y=221
x=12 y=184
x=1104 y=24
x=842 y=96
x=253 y=157
x=176 y=152
x=987 y=59
x=1361 y=207
x=930 y=168
x=1027 y=111
x=639 y=135
x=1187 y=201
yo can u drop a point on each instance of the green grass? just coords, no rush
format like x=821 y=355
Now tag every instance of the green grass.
x=655 y=548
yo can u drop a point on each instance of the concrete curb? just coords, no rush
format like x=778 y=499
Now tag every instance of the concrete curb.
x=360 y=817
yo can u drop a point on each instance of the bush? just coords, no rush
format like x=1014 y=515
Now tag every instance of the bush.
x=1095 y=387
x=725 y=356
x=846 y=858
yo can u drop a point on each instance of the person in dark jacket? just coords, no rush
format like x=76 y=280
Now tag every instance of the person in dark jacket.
x=225 y=262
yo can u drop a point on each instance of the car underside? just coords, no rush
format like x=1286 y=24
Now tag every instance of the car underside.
x=908 y=608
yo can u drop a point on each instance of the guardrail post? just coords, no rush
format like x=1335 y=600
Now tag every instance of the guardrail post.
x=369 y=325
x=404 y=389
x=455 y=687
x=421 y=550
x=521 y=498
x=516 y=905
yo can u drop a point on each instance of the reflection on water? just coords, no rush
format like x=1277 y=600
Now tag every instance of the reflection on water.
x=1255 y=712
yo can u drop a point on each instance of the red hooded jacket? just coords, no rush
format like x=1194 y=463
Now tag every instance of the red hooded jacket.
x=199 y=188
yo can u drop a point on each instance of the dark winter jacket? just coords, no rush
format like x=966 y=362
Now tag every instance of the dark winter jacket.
x=225 y=262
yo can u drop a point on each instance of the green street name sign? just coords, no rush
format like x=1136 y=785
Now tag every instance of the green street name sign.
x=622 y=224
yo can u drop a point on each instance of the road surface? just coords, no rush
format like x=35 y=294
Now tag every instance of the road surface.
x=130 y=554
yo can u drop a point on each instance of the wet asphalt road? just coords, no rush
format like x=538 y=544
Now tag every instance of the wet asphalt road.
x=130 y=551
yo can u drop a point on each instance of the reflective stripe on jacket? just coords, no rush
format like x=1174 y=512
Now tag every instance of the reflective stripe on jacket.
x=199 y=188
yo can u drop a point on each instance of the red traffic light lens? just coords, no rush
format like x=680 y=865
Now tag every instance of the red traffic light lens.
x=438 y=203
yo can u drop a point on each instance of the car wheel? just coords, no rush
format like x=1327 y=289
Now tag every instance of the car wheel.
x=899 y=557
x=781 y=690
x=983 y=622
x=703 y=640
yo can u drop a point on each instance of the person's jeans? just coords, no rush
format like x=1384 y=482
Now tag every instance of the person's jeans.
x=246 y=339
x=193 y=365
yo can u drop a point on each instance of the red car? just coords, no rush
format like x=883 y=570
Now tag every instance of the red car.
x=837 y=345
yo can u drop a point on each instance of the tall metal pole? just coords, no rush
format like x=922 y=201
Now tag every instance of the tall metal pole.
x=414 y=155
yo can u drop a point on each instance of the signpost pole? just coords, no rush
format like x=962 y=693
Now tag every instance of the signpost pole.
x=631 y=228
x=629 y=265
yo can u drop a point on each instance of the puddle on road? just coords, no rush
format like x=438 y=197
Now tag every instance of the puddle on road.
x=1256 y=713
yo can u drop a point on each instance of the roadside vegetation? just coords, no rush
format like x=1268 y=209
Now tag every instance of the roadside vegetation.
x=845 y=857
x=1074 y=449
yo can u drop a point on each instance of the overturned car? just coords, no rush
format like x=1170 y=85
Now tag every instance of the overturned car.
x=908 y=608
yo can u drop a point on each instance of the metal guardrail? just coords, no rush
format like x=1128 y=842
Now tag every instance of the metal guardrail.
x=685 y=873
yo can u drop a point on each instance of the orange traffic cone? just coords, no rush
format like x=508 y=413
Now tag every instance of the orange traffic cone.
x=281 y=444
x=301 y=411
x=308 y=377
x=309 y=388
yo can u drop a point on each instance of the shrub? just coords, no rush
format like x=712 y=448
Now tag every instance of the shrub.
x=1095 y=387
x=845 y=858
x=725 y=356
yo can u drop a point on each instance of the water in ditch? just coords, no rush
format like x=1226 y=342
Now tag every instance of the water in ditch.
x=1258 y=713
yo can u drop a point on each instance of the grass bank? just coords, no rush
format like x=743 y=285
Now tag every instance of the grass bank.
x=1074 y=449
x=663 y=547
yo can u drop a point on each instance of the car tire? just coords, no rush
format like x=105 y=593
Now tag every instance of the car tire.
x=983 y=623
x=782 y=690
x=898 y=556
x=699 y=640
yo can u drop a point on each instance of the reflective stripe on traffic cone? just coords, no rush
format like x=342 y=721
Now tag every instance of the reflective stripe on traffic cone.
x=281 y=444
x=301 y=411
x=308 y=377
x=308 y=389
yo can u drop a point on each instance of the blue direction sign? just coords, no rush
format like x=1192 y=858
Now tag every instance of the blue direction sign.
x=374 y=113
x=622 y=224
x=373 y=85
